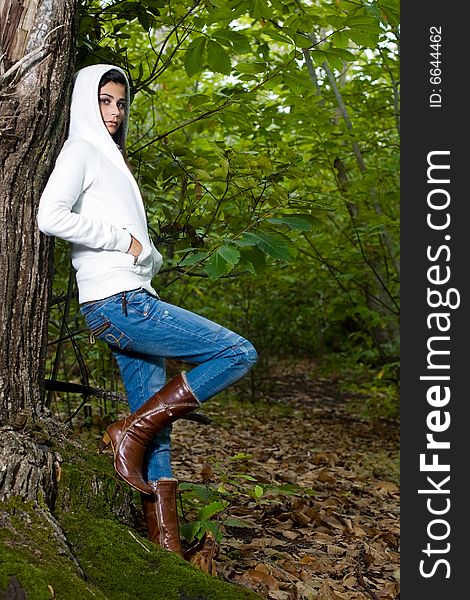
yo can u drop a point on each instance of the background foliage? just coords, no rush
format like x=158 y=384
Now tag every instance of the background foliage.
x=265 y=137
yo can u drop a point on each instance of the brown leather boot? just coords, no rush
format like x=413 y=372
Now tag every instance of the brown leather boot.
x=161 y=515
x=130 y=436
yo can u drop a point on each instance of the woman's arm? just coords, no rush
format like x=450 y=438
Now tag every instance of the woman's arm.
x=70 y=177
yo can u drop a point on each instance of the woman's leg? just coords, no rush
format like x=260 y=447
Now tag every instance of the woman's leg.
x=142 y=375
x=138 y=323
x=157 y=328
x=221 y=356
x=142 y=324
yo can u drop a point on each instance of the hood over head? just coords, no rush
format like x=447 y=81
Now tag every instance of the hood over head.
x=86 y=122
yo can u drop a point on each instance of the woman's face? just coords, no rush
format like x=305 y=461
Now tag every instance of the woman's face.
x=112 y=101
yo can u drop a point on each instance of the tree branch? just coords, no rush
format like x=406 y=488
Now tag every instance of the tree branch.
x=115 y=397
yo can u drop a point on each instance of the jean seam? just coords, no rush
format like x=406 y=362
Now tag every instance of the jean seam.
x=220 y=356
x=149 y=464
x=244 y=355
x=141 y=385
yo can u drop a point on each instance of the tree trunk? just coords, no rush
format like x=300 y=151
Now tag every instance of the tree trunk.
x=37 y=43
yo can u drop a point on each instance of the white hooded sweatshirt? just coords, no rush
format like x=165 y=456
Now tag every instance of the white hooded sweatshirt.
x=92 y=200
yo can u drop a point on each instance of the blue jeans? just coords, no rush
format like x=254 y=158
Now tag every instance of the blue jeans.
x=142 y=332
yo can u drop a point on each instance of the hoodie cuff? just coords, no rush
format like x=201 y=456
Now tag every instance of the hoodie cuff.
x=124 y=241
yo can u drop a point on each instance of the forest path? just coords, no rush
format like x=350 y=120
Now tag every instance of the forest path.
x=326 y=526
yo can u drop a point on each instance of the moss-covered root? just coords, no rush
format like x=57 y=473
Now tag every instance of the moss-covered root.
x=90 y=549
x=125 y=566
x=35 y=561
x=102 y=560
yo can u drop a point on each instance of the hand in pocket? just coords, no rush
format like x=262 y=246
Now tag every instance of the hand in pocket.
x=135 y=249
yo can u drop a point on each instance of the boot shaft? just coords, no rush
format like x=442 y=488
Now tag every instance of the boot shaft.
x=161 y=515
x=173 y=401
x=130 y=436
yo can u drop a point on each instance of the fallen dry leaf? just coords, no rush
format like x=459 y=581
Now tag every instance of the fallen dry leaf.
x=204 y=553
x=337 y=536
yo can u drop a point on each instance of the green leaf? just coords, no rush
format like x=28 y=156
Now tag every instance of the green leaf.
x=221 y=15
x=199 y=490
x=390 y=10
x=298 y=222
x=318 y=56
x=362 y=21
x=258 y=491
x=274 y=243
x=212 y=509
x=293 y=83
x=241 y=456
x=339 y=39
x=222 y=262
x=153 y=5
x=362 y=38
x=260 y=8
x=254 y=259
x=194 y=56
x=190 y=530
x=87 y=23
x=278 y=37
x=219 y=3
x=218 y=58
x=342 y=53
x=302 y=41
x=240 y=41
x=198 y=100
x=334 y=60
x=171 y=170
x=213 y=527
x=244 y=477
x=146 y=20
x=193 y=259
x=253 y=67
x=217 y=266
x=235 y=39
x=230 y=254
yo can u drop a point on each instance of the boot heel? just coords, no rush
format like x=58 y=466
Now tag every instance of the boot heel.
x=105 y=442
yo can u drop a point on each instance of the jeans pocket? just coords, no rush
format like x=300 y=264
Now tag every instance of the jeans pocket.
x=102 y=328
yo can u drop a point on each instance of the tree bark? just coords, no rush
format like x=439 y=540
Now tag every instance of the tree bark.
x=37 y=43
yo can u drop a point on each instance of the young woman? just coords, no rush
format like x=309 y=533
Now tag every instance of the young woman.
x=92 y=200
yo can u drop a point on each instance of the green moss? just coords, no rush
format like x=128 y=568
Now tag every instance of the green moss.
x=31 y=552
x=104 y=557
x=127 y=567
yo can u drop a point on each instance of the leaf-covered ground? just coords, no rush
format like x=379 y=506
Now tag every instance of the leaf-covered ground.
x=321 y=521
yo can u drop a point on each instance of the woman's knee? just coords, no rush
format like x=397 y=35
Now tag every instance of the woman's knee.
x=248 y=353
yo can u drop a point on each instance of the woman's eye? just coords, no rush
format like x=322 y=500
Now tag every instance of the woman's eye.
x=121 y=106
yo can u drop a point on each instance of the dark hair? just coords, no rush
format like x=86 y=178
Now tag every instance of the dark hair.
x=117 y=77
x=113 y=75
